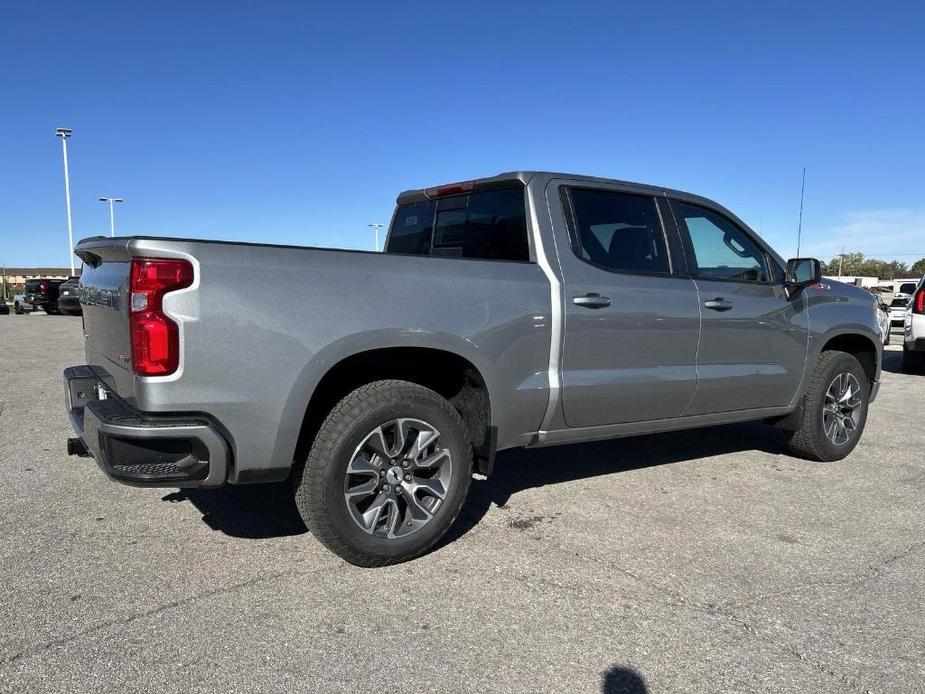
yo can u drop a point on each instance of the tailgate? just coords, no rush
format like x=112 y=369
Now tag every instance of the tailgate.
x=104 y=295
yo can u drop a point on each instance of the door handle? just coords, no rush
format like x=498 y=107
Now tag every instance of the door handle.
x=718 y=304
x=592 y=300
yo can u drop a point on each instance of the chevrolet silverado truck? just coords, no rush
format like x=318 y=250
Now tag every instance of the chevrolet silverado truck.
x=525 y=309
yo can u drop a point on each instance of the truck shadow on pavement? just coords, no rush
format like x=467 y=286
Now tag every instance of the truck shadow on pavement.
x=520 y=469
x=892 y=360
x=263 y=511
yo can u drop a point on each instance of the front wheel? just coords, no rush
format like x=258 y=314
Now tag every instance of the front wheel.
x=834 y=409
x=386 y=475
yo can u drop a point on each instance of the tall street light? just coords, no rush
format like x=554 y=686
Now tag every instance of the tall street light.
x=65 y=133
x=377 y=227
x=112 y=214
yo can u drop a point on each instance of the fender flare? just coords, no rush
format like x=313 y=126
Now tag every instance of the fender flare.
x=334 y=353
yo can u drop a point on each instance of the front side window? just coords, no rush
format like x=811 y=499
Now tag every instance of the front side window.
x=618 y=231
x=491 y=225
x=721 y=250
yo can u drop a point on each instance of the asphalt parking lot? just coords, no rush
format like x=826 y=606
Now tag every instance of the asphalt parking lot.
x=699 y=561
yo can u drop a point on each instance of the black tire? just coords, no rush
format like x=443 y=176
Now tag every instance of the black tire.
x=810 y=441
x=913 y=362
x=17 y=309
x=319 y=484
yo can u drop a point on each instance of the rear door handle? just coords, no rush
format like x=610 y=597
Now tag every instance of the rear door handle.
x=592 y=300
x=718 y=304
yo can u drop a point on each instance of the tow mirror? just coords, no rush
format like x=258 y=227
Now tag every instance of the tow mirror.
x=802 y=273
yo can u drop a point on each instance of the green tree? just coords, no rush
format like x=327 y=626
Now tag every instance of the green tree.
x=918 y=267
x=857 y=264
x=845 y=264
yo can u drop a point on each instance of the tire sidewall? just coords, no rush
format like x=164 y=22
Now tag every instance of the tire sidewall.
x=349 y=437
x=845 y=363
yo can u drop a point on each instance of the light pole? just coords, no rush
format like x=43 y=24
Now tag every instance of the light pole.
x=800 y=225
x=65 y=133
x=112 y=214
x=376 y=227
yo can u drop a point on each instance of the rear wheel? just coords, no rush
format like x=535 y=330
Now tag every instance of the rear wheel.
x=913 y=362
x=386 y=475
x=834 y=409
x=17 y=309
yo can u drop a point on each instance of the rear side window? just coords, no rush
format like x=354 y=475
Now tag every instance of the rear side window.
x=721 y=250
x=411 y=229
x=618 y=231
x=486 y=226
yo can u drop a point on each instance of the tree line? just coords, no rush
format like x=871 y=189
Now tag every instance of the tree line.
x=860 y=265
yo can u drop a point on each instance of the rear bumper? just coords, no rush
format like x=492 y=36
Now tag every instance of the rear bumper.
x=70 y=305
x=140 y=449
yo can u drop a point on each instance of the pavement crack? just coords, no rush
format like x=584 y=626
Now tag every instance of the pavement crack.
x=53 y=643
x=871 y=573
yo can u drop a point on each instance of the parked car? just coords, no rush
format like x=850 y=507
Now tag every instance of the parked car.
x=914 y=331
x=898 y=310
x=68 y=299
x=906 y=289
x=526 y=309
x=38 y=294
x=883 y=318
x=4 y=309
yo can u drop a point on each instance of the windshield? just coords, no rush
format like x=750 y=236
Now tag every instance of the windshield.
x=907 y=288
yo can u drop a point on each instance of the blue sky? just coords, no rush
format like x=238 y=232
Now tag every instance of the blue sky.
x=299 y=123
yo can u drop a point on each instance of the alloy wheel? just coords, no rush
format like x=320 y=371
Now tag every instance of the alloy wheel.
x=397 y=478
x=841 y=413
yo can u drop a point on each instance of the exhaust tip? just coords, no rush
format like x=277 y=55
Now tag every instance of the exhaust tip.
x=76 y=446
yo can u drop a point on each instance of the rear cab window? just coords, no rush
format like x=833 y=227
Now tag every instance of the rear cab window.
x=487 y=225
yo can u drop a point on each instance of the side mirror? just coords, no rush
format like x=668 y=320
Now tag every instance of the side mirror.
x=802 y=273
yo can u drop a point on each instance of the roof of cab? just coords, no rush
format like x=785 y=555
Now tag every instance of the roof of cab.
x=513 y=178
x=523 y=178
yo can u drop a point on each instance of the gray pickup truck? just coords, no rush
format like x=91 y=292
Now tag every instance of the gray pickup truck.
x=525 y=309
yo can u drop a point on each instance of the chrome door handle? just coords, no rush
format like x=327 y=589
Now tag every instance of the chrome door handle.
x=592 y=300
x=718 y=304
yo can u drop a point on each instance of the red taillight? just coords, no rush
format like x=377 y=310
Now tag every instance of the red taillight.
x=918 y=302
x=155 y=340
x=450 y=189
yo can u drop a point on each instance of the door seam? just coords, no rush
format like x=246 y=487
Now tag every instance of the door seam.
x=697 y=352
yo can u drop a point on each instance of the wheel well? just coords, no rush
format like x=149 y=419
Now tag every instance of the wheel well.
x=448 y=374
x=858 y=345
